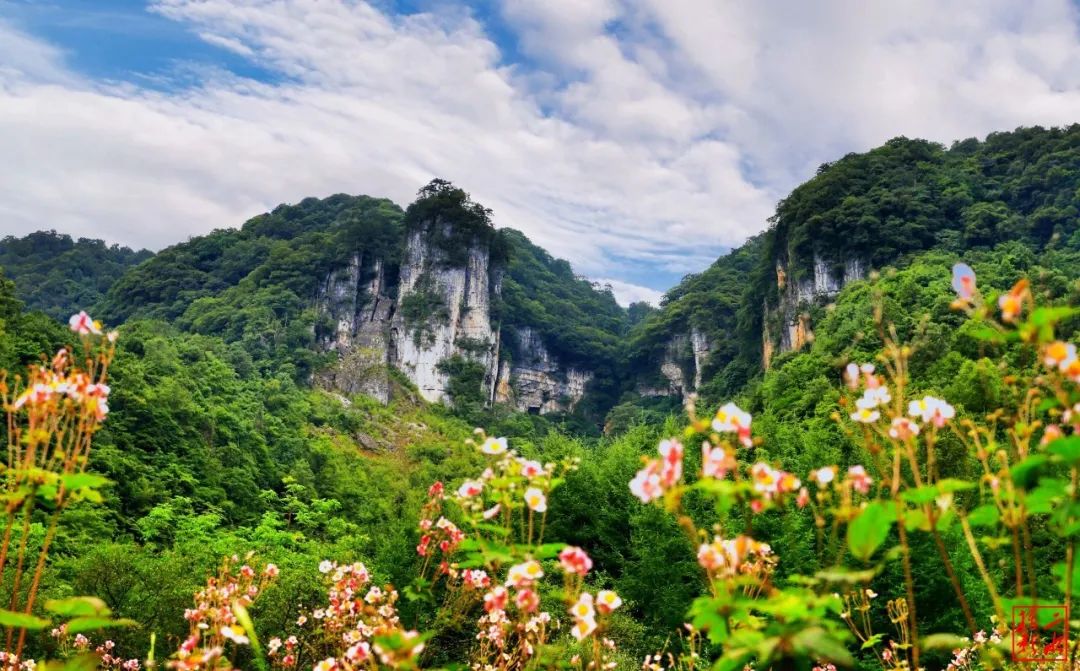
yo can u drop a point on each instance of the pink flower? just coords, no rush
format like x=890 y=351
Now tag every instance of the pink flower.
x=963 y=281
x=84 y=325
x=436 y=490
x=803 y=498
x=530 y=469
x=527 y=600
x=903 y=428
x=859 y=479
x=715 y=461
x=492 y=511
x=732 y=419
x=646 y=484
x=495 y=600
x=470 y=488
x=671 y=458
x=575 y=561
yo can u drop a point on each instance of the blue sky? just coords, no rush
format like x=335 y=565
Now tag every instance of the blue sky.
x=637 y=138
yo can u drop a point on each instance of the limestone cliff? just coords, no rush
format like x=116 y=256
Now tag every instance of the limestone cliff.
x=438 y=307
x=444 y=311
x=787 y=323
x=681 y=364
x=534 y=381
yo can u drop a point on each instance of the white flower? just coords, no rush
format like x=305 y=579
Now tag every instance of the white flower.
x=535 y=499
x=325 y=566
x=493 y=446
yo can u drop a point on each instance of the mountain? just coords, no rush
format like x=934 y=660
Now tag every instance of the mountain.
x=58 y=275
x=345 y=290
x=865 y=212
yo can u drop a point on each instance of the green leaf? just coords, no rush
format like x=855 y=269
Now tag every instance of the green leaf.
x=78 y=606
x=1024 y=473
x=1048 y=316
x=942 y=642
x=920 y=495
x=1068 y=449
x=818 y=644
x=21 y=620
x=984 y=516
x=872 y=641
x=81 y=624
x=80 y=480
x=868 y=531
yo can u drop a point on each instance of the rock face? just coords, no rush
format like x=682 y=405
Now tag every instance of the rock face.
x=792 y=322
x=436 y=309
x=535 y=382
x=445 y=311
x=681 y=364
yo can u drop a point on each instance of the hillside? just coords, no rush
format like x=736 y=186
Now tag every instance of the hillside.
x=58 y=275
x=295 y=387
x=861 y=213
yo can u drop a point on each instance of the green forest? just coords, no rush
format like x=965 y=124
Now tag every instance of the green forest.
x=182 y=492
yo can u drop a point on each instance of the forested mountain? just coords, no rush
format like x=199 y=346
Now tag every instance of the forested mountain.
x=293 y=387
x=58 y=275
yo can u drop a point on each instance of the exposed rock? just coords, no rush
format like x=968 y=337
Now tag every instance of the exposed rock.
x=681 y=364
x=442 y=310
x=458 y=323
x=823 y=283
x=535 y=382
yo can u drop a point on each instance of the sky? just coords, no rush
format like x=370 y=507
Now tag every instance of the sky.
x=639 y=139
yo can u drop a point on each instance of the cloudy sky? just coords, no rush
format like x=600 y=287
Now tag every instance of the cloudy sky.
x=637 y=138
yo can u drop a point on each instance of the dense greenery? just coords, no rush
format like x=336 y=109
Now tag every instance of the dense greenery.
x=60 y=276
x=217 y=445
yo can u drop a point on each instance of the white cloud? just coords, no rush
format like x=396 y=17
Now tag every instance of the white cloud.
x=651 y=130
x=627 y=293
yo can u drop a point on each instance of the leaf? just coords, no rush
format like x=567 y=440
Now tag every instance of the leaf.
x=868 y=531
x=820 y=645
x=984 y=516
x=920 y=495
x=942 y=642
x=21 y=620
x=872 y=641
x=78 y=606
x=916 y=520
x=1068 y=449
x=1023 y=473
x=81 y=624
x=1047 y=316
x=80 y=480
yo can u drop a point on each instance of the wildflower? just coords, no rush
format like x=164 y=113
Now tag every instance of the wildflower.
x=865 y=416
x=83 y=325
x=1059 y=354
x=470 y=488
x=301 y=621
x=646 y=484
x=527 y=600
x=492 y=511
x=671 y=458
x=530 y=469
x=715 y=461
x=933 y=410
x=903 y=428
x=583 y=627
x=859 y=479
x=271 y=571
x=523 y=574
x=328 y=664
x=235 y=634
x=732 y=419
x=535 y=499
x=575 y=561
x=435 y=491
x=583 y=607
x=1012 y=301
x=495 y=600
x=476 y=578
x=325 y=566
x=824 y=475
x=493 y=446
x=273 y=645
x=851 y=376
x=803 y=498
x=963 y=282
x=1052 y=433
x=607 y=601
x=873 y=398
x=359 y=652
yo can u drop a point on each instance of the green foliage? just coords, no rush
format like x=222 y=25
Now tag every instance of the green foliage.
x=61 y=276
x=453 y=222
